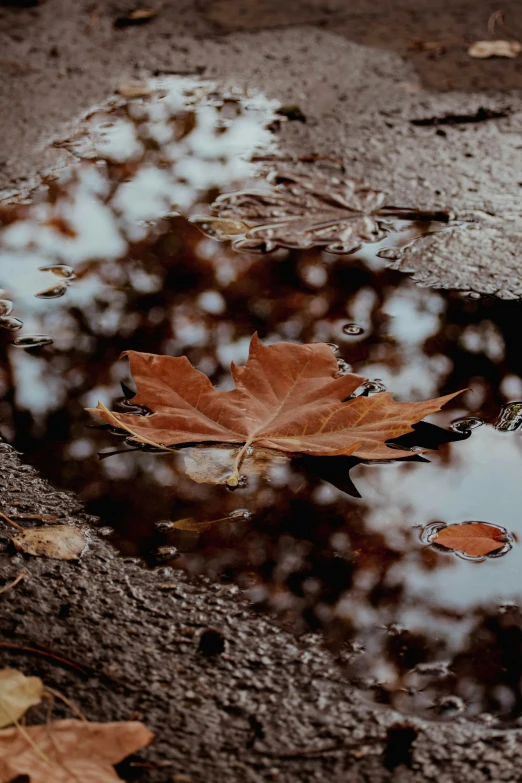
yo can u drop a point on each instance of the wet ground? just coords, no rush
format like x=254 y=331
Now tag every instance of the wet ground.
x=111 y=263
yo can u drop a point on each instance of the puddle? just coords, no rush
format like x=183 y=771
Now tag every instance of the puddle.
x=329 y=543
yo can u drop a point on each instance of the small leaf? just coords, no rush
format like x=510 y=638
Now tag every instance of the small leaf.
x=17 y=694
x=481 y=50
x=69 y=751
x=59 y=542
x=475 y=539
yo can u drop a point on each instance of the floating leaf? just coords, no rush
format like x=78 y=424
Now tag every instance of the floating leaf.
x=60 y=542
x=304 y=208
x=17 y=694
x=288 y=397
x=474 y=539
x=481 y=50
x=69 y=751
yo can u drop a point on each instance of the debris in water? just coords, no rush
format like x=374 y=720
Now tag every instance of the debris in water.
x=8 y=322
x=466 y=424
x=32 y=341
x=306 y=208
x=292 y=113
x=484 y=49
x=6 y=307
x=53 y=293
x=60 y=270
x=510 y=417
x=352 y=330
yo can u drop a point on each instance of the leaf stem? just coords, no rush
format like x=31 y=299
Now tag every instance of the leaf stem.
x=233 y=479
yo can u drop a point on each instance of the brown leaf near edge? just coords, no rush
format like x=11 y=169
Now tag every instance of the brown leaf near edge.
x=476 y=539
x=59 y=542
x=288 y=397
x=75 y=750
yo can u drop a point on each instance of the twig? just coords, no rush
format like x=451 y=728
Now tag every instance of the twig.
x=13 y=583
x=37 y=517
x=10 y=522
x=52 y=692
x=45 y=654
x=296 y=753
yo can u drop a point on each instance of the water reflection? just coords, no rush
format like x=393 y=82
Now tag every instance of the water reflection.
x=328 y=543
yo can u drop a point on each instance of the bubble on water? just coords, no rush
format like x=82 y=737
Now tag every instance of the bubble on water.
x=390 y=253
x=510 y=417
x=352 y=330
x=8 y=322
x=52 y=293
x=6 y=307
x=60 y=270
x=466 y=424
x=344 y=368
x=166 y=552
x=241 y=513
x=32 y=341
x=164 y=524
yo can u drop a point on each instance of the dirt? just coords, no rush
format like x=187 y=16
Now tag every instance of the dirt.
x=379 y=95
x=229 y=694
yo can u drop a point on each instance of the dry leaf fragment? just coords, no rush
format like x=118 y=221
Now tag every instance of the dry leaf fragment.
x=475 y=539
x=483 y=49
x=60 y=542
x=75 y=751
x=135 y=90
x=17 y=694
x=138 y=16
x=287 y=397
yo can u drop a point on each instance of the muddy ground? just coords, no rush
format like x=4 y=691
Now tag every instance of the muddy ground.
x=408 y=117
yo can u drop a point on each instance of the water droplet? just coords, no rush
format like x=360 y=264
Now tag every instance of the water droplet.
x=344 y=368
x=333 y=346
x=240 y=513
x=53 y=293
x=374 y=387
x=60 y=270
x=32 y=341
x=166 y=552
x=353 y=330
x=6 y=307
x=466 y=424
x=8 y=322
x=392 y=254
x=510 y=417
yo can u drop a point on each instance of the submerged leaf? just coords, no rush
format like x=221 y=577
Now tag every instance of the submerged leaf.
x=287 y=397
x=17 y=694
x=68 y=751
x=475 y=539
x=60 y=542
x=303 y=209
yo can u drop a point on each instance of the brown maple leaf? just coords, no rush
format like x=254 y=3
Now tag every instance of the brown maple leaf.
x=305 y=209
x=287 y=397
x=68 y=751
